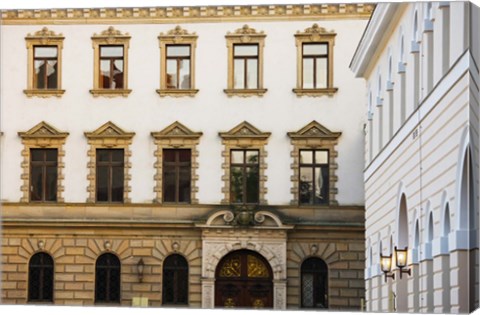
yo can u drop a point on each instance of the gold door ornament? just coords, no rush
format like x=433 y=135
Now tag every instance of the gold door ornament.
x=258 y=303
x=231 y=268
x=229 y=303
x=256 y=268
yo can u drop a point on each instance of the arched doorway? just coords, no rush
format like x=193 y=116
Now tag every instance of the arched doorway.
x=243 y=279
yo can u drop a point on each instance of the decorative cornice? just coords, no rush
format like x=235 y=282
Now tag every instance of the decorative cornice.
x=159 y=15
x=245 y=30
x=43 y=130
x=176 y=130
x=110 y=32
x=315 y=30
x=244 y=130
x=109 y=130
x=44 y=32
x=177 y=31
x=314 y=130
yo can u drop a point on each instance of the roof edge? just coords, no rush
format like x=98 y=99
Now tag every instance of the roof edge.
x=372 y=36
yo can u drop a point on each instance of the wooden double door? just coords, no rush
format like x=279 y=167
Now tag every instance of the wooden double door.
x=243 y=280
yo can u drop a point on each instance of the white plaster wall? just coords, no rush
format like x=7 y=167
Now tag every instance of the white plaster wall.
x=210 y=111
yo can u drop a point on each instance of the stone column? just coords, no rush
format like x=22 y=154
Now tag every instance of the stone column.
x=208 y=293
x=280 y=294
x=459 y=281
x=441 y=275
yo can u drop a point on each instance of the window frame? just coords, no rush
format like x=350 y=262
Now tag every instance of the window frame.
x=108 y=268
x=176 y=284
x=174 y=37
x=43 y=165
x=316 y=273
x=245 y=60
x=314 y=57
x=314 y=136
x=176 y=136
x=42 y=136
x=176 y=165
x=43 y=38
x=109 y=37
x=108 y=136
x=110 y=166
x=244 y=136
x=46 y=267
x=315 y=35
x=245 y=36
x=313 y=166
x=244 y=165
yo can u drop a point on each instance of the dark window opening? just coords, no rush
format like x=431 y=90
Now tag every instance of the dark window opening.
x=110 y=175
x=40 y=278
x=43 y=174
x=314 y=283
x=314 y=177
x=244 y=176
x=107 y=279
x=45 y=63
x=111 y=67
x=178 y=66
x=175 y=280
x=177 y=175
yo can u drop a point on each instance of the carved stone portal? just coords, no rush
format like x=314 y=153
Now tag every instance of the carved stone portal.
x=220 y=237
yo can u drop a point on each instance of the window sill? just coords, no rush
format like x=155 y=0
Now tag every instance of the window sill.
x=44 y=93
x=245 y=92
x=315 y=92
x=110 y=93
x=177 y=92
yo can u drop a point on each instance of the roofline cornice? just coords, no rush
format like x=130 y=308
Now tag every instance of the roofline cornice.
x=381 y=19
x=188 y=14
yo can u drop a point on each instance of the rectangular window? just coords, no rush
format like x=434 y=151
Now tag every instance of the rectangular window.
x=45 y=63
x=315 y=66
x=111 y=67
x=109 y=175
x=177 y=170
x=244 y=176
x=43 y=174
x=245 y=66
x=314 y=177
x=178 y=67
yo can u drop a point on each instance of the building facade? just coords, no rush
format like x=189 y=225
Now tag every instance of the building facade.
x=420 y=62
x=187 y=156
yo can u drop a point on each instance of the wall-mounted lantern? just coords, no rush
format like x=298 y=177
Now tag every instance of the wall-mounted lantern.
x=140 y=268
x=401 y=258
x=386 y=265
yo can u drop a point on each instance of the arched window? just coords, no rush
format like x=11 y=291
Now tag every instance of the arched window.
x=314 y=283
x=175 y=280
x=430 y=228
x=107 y=279
x=40 y=278
x=446 y=221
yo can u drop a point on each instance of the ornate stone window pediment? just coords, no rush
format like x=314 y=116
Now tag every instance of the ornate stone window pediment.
x=44 y=62
x=314 y=130
x=245 y=130
x=177 y=47
x=248 y=138
x=110 y=46
x=251 y=39
x=176 y=136
x=314 y=137
x=108 y=136
x=315 y=62
x=42 y=135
